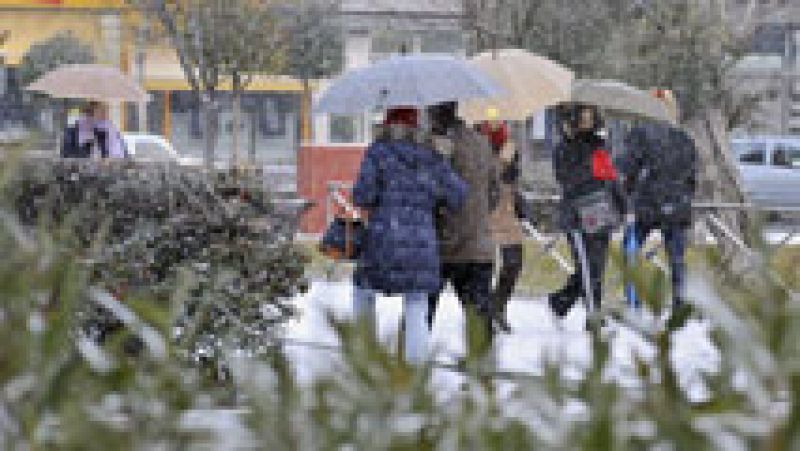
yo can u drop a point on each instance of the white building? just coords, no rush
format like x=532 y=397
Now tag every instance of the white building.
x=376 y=29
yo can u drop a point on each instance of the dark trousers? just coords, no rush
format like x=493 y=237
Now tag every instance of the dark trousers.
x=596 y=246
x=675 y=243
x=472 y=284
x=510 y=268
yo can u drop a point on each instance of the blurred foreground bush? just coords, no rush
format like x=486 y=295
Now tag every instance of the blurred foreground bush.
x=59 y=389
x=146 y=231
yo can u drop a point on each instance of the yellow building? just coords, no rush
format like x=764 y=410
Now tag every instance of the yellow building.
x=272 y=104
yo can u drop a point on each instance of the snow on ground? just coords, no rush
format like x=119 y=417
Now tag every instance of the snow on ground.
x=537 y=339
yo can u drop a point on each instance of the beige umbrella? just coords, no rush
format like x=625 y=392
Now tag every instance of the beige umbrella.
x=620 y=99
x=89 y=82
x=531 y=83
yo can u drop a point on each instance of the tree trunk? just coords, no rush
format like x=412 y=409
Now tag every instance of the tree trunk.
x=253 y=129
x=237 y=124
x=211 y=132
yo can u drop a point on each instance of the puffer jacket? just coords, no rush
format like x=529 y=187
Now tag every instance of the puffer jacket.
x=400 y=184
x=660 y=168
x=572 y=164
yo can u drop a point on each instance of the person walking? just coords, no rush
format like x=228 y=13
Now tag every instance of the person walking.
x=660 y=176
x=465 y=238
x=591 y=202
x=399 y=186
x=108 y=133
x=504 y=220
x=93 y=135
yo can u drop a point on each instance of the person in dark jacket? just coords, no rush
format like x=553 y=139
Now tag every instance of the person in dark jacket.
x=465 y=238
x=399 y=185
x=660 y=171
x=85 y=139
x=583 y=169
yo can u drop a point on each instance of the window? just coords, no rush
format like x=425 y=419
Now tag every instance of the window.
x=769 y=38
x=346 y=129
x=443 y=41
x=787 y=156
x=751 y=153
x=390 y=42
x=772 y=94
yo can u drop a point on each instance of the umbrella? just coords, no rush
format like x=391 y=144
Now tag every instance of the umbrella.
x=413 y=80
x=532 y=83
x=619 y=98
x=90 y=82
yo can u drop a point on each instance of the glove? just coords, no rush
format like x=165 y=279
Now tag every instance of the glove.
x=443 y=145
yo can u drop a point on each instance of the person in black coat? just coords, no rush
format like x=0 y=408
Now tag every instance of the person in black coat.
x=588 y=181
x=84 y=138
x=660 y=171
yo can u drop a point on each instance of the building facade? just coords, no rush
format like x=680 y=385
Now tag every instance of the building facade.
x=771 y=71
x=119 y=36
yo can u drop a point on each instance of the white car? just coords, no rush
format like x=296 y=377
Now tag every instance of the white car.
x=770 y=168
x=154 y=149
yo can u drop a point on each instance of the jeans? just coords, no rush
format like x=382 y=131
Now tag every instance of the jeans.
x=675 y=243
x=510 y=268
x=415 y=313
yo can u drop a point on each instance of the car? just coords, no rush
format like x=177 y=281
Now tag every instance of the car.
x=154 y=149
x=770 y=169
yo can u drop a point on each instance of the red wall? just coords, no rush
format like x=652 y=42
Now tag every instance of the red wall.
x=316 y=166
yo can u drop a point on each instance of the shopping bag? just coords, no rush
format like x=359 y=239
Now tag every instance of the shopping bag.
x=343 y=239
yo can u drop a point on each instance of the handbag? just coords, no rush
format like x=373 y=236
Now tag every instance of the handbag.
x=596 y=212
x=343 y=239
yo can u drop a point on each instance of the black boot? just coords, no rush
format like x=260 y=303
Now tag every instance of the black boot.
x=499 y=318
x=561 y=302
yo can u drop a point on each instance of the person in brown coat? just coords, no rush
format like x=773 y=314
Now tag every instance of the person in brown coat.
x=465 y=239
x=504 y=223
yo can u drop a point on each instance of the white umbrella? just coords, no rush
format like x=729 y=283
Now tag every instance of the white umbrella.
x=89 y=82
x=532 y=83
x=413 y=80
x=618 y=98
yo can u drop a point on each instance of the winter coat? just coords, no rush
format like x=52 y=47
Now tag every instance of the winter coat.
x=72 y=147
x=505 y=226
x=465 y=236
x=399 y=185
x=660 y=168
x=572 y=164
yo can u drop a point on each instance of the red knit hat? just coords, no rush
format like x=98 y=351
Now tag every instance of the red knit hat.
x=403 y=116
x=497 y=133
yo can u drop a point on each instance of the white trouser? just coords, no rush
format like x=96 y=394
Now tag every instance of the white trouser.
x=415 y=317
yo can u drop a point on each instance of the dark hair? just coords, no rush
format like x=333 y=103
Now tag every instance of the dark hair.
x=89 y=107
x=570 y=113
x=442 y=115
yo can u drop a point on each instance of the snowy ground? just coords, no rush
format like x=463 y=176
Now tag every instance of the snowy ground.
x=537 y=339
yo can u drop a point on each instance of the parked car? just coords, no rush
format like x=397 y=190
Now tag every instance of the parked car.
x=154 y=149
x=770 y=169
